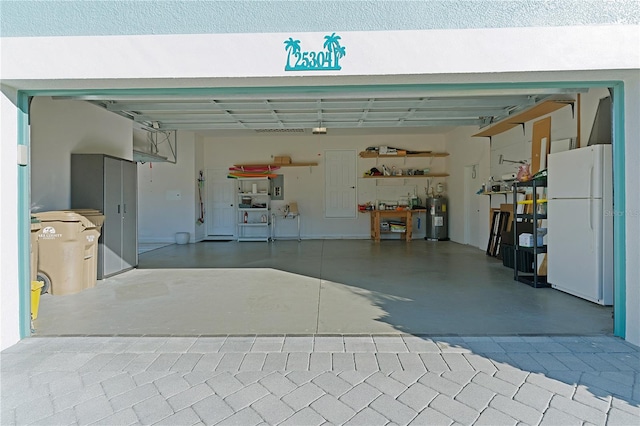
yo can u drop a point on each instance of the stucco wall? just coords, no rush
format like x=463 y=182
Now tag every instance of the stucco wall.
x=23 y=18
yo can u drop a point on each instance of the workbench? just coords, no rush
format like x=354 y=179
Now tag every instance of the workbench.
x=405 y=216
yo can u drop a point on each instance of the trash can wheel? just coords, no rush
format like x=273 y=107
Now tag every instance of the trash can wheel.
x=46 y=280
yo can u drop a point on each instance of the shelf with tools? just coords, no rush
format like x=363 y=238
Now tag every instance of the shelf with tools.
x=409 y=173
x=534 y=246
x=275 y=165
x=409 y=154
x=254 y=205
x=428 y=175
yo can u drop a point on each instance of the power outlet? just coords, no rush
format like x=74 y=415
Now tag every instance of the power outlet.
x=277 y=191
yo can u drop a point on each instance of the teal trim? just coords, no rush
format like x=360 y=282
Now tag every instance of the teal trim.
x=620 y=217
x=24 y=222
x=364 y=90
x=618 y=154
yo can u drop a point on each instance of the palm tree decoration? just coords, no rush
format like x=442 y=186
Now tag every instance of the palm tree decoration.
x=293 y=47
x=340 y=52
x=332 y=44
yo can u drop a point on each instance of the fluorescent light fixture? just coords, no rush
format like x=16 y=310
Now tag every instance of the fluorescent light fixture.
x=319 y=130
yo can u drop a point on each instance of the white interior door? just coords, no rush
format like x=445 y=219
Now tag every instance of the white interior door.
x=472 y=206
x=340 y=183
x=220 y=214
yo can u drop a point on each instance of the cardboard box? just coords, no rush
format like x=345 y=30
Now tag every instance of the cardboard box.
x=525 y=240
x=282 y=159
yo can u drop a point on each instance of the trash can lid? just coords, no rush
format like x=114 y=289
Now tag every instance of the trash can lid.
x=64 y=216
x=93 y=215
x=86 y=212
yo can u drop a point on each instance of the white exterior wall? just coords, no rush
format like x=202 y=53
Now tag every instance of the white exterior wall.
x=9 y=319
x=369 y=53
x=584 y=53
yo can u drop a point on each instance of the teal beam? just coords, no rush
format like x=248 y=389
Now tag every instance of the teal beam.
x=619 y=216
x=364 y=90
x=24 y=222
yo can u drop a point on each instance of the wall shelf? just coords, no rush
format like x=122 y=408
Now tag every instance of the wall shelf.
x=371 y=154
x=408 y=176
x=253 y=223
x=496 y=193
x=515 y=120
x=277 y=165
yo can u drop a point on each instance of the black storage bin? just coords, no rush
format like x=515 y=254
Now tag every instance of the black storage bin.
x=524 y=261
x=508 y=254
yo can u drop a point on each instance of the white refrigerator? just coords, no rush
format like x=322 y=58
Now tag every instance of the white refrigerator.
x=580 y=223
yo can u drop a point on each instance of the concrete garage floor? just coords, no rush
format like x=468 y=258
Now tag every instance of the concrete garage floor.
x=319 y=286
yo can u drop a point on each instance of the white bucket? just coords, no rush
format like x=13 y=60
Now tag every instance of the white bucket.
x=182 y=237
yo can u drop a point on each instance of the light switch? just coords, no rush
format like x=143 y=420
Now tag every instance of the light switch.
x=23 y=155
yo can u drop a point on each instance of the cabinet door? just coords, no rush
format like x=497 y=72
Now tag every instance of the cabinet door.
x=129 y=215
x=112 y=228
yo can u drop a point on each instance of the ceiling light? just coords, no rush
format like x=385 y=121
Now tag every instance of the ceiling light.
x=319 y=130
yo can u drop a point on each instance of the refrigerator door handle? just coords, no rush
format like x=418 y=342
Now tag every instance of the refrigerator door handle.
x=591 y=213
x=591 y=182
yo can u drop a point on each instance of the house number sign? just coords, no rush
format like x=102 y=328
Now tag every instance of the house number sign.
x=327 y=59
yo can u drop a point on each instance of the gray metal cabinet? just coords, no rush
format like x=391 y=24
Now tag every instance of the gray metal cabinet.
x=109 y=184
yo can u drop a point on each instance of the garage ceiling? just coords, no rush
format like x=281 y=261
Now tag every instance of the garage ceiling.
x=340 y=110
